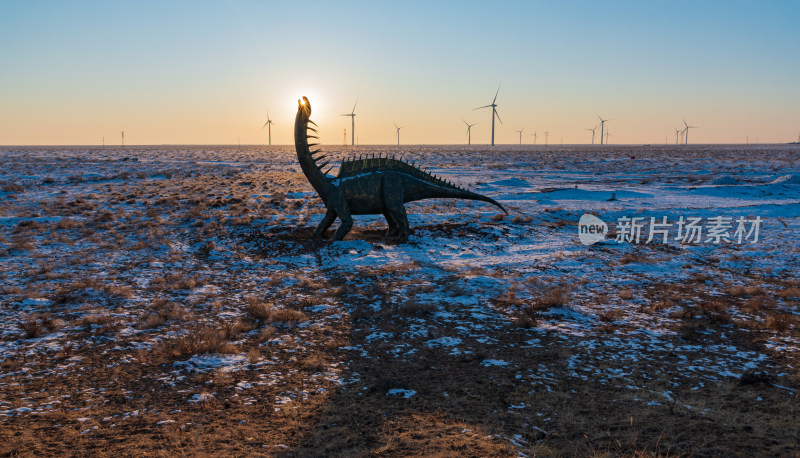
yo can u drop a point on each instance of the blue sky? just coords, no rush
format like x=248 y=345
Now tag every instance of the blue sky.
x=207 y=72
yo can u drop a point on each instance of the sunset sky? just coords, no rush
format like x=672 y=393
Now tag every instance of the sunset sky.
x=183 y=72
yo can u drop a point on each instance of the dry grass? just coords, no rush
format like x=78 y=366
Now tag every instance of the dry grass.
x=196 y=342
x=790 y=292
x=625 y=294
x=257 y=310
x=12 y=187
x=780 y=323
x=287 y=316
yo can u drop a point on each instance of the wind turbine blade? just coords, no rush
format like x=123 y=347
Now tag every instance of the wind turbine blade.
x=354 y=107
x=485 y=106
x=684 y=122
x=498 y=116
x=495 y=94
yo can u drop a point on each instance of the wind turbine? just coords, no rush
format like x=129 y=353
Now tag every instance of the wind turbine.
x=686 y=136
x=676 y=134
x=398 y=132
x=534 y=138
x=469 y=136
x=520 y=134
x=592 y=129
x=602 y=126
x=269 y=129
x=608 y=134
x=352 y=115
x=494 y=111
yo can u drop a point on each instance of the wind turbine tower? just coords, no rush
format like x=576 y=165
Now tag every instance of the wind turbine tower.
x=269 y=129
x=352 y=115
x=123 y=138
x=686 y=136
x=469 y=136
x=534 y=138
x=494 y=111
x=592 y=129
x=520 y=134
x=602 y=127
x=676 y=134
x=398 y=133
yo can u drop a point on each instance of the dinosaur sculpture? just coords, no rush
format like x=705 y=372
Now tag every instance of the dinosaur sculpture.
x=368 y=185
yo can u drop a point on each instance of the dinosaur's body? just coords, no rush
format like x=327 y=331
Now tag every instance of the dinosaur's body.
x=369 y=186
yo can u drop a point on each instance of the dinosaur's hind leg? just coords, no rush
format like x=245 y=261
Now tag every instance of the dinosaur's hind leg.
x=392 y=198
x=347 y=221
x=326 y=222
x=393 y=227
x=399 y=215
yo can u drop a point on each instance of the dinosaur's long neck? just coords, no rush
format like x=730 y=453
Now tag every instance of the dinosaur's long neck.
x=311 y=170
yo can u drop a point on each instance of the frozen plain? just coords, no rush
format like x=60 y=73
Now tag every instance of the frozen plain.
x=164 y=298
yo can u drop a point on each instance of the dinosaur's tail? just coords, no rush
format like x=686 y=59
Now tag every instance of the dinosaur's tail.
x=448 y=192
x=475 y=196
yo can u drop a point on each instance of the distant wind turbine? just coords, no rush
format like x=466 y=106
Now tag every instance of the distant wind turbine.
x=602 y=126
x=534 y=138
x=608 y=134
x=352 y=115
x=545 y=138
x=520 y=134
x=269 y=129
x=676 y=134
x=469 y=136
x=494 y=111
x=592 y=129
x=398 y=132
x=686 y=136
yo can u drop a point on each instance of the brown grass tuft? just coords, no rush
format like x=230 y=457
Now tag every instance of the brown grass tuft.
x=791 y=291
x=625 y=294
x=779 y=323
x=287 y=316
x=196 y=342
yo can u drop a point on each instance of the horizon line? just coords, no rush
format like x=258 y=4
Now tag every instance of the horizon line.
x=391 y=144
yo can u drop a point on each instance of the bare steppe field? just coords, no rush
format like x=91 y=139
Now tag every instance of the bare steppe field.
x=171 y=301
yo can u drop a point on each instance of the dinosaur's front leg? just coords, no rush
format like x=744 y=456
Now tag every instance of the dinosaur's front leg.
x=326 y=222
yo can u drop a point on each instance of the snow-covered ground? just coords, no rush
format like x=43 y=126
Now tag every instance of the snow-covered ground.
x=114 y=261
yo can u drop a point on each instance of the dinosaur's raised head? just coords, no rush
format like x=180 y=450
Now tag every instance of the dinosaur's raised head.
x=304 y=108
